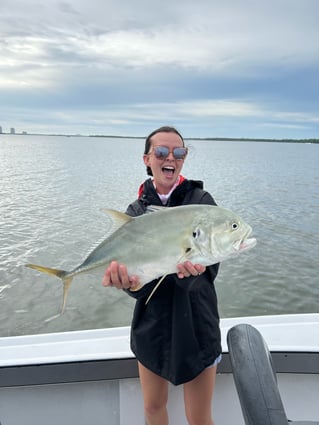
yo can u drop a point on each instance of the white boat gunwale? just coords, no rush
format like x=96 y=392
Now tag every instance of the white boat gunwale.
x=104 y=354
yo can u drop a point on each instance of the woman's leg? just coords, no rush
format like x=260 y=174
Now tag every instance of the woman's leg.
x=198 y=395
x=155 y=395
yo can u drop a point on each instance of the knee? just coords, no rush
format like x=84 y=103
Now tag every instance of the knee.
x=154 y=408
x=199 y=418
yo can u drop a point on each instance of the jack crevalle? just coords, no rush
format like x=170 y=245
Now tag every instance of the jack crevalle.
x=151 y=245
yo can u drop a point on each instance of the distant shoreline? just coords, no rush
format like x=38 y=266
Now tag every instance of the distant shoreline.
x=226 y=139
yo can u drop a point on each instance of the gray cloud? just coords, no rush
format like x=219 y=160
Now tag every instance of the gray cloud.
x=76 y=60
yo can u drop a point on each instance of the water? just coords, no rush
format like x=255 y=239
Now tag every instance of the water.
x=52 y=190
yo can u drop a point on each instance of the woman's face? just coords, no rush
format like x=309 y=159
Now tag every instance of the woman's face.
x=165 y=170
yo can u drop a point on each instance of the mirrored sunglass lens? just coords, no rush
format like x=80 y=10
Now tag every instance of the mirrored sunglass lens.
x=161 y=151
x=179 y=153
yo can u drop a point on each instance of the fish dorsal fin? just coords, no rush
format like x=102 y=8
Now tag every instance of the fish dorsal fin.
x=118 y=218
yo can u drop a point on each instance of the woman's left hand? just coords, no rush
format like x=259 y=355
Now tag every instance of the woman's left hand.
x=189 y=269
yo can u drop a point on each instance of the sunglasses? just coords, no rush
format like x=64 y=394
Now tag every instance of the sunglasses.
x=162 y=152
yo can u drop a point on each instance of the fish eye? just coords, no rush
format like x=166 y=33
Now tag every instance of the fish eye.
x=234 y=226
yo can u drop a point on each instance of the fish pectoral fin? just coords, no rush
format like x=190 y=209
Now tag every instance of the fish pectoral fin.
x=154 y=289
x=118 y=218
x=187 y=253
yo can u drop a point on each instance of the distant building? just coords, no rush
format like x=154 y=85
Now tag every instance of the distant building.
x=0 y=129
x=12 y=130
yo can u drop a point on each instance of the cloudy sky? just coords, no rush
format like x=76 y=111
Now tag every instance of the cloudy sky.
x=232 y=68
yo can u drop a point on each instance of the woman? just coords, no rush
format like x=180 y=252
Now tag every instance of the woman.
x=176 y=336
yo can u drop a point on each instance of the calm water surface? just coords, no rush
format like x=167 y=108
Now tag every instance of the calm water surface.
x=52 y=190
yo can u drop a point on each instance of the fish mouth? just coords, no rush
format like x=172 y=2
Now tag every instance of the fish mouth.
x=245 y=243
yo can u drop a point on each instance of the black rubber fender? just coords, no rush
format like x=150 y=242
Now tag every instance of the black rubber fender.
x=254 y=376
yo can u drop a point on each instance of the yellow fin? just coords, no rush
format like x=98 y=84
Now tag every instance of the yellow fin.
x=66 y=285
x=57 y=273
x=118 y=218
x=54 y=272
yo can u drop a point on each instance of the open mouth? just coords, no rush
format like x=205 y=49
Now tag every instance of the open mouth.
x=245 y=243
x=168 y=171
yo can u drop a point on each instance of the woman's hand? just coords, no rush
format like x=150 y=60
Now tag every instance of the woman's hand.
x=189 y=269
x=116 y=275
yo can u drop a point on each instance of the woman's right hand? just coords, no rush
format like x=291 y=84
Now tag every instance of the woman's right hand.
x=116 y=275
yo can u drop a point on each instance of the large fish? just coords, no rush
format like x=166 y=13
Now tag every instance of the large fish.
x=151 y=245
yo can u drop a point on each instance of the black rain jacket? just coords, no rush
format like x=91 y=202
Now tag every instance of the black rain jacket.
x=176 y=335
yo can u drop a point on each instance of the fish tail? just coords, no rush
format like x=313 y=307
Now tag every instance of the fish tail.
x=61 y=274
x=66 y=285
x=53 y=272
